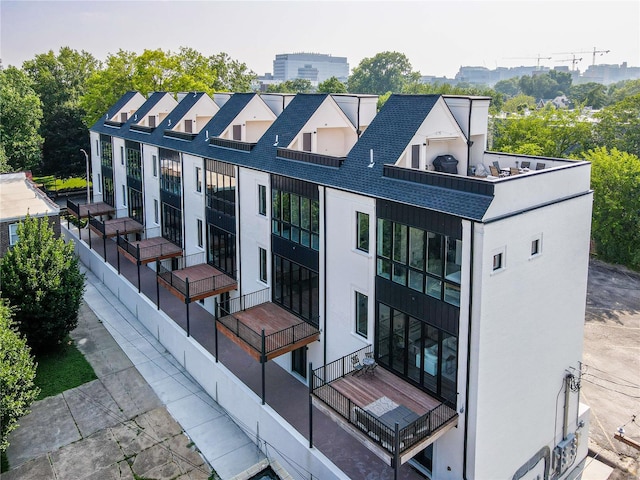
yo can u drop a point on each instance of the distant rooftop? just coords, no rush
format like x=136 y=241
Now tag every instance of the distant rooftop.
x=19 y=196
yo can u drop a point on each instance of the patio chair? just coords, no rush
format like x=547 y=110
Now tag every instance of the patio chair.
x=540 y=166
x=358 y=368
x=525 y=164
x=514 y=171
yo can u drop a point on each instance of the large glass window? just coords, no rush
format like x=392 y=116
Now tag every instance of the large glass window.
x=106 y=158
x=295 y=218
x=418 y=351
x=362 y=314
x=170 y=172
x=424 y=261
x=108 y=195
x=362 y=222
x=134 y=162
x=136 y=210
x=172 y=224
x=296 y=289
x=221 y=187
x=221 y=249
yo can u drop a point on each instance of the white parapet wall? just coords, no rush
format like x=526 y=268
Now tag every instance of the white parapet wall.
x=220 y=383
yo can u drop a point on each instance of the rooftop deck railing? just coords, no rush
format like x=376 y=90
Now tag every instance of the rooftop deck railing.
x=273 y=341
x=73 y=207
x=193 y=288
x=235 y=144
x=310 y=157
x=180 y=135
x=394 y=441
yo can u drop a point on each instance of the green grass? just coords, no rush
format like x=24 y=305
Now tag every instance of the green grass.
x=61 y=370
x=55 y=184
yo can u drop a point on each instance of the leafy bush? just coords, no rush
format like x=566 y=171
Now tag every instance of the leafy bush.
x=42 y=279
x=17 y=373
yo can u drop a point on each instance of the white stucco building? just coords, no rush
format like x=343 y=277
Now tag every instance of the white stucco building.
x=372 y=234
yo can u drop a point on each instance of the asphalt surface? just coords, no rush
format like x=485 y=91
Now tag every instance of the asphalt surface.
x=611 y=365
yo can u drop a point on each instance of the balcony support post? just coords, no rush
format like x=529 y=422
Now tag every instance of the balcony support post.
x=187 y=301
x=263 y=361
x=104 y=243
x=117 y=249
x=138 y=264
x=89 y=225
x=157 y=284
x=396 y=452
x=310 y=405
x=215 y=325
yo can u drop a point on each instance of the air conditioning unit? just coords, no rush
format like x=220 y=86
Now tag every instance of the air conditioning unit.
x=565 y=454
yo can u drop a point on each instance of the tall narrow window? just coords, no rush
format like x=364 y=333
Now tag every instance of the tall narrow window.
x=237 y=132
x=97 y=148
x=262 y=200
x=263 y=264
x=13 y=234
x=121 y=155
x=99 y=183
x=156 y=217
x=199 y=233
x=188 y=126
x=362 y=314
x=152 y=121
x=306 y=142
x=154 y=159
x=199 y=179
x=124 y=195
x=415 y=156
x=497 y=261
x=362 y=220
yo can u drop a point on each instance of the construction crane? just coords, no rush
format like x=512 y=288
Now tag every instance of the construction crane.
x=531 y=58
x=573 y=61
x=594 y=53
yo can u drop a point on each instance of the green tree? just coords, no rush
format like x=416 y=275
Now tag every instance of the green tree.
x=590 y=94
x=621 y=90
x=62 y=143
x=384 y=72
x=42 y=279
x=618 y=125
x=332 y=85
x=546 y=85
x=21 y=113
x=615 y=178
x=519 y=104
x=547 y=132
x=17 y=374
x=509 y=87
x=419 y=88
x=298 y=85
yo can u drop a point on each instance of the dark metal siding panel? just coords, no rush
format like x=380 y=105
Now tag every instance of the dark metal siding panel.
x=132 y=145
x=171 y=199
x=134 y=183
x=220 y=220
x=420 y=306
x=420 y=218
x=291 y=185
x=296 y=253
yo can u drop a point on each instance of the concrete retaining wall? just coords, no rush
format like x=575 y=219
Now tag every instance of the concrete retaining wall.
x=221 y=384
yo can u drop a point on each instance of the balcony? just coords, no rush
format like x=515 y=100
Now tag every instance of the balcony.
x=309 y=157
x=233 y=144
x=180 y=135
x=112 y=228
x=83 y=210
x=386 y=414
x=261 y=328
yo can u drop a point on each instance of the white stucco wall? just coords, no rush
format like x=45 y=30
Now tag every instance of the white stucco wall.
x=151 y=191
x=527 y=329
x=193 y=202
x=120 y=177
x=255 y=118
x=96 y=175
x=348 y=270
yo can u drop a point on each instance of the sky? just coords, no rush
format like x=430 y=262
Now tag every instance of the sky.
x=437 y=36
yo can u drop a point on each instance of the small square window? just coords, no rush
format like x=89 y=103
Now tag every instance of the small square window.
x=535 y=247
x=498 y=261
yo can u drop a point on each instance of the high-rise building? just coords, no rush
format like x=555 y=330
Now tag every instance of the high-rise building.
x=315 y=67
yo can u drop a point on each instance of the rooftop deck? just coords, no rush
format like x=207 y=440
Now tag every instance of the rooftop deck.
x=196 y=282
x=115 y=226
x=148 y=250
x=89 y=209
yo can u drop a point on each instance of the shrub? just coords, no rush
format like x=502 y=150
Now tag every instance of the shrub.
x=42 y=279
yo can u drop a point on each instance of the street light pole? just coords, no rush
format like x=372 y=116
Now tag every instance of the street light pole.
x=86 y=158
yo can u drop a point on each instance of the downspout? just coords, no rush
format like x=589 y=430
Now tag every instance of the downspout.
x=466 y=401
x=324 y=262
x=358 y=132
x=239 y=252
x=469 y=142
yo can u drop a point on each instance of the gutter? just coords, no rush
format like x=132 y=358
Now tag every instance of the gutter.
x=468 y=380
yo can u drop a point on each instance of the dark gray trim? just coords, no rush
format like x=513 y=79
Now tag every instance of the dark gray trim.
x=537 y=207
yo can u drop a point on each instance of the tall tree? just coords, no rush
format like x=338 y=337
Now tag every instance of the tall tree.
x=545 y=85
x=384 y=72
x=297 y=85
x=615 y=178
x=618 y=125
x=509 y=87
x=17 y=375
x=332 y=85
x=42 y=279
x=590 y=94
x=21 y=113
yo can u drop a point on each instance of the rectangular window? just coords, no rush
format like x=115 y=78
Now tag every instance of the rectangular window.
x=263 y=264
x=415 y=156
x=155 y=211
x=123 y=117
x=152 y=121
x=362 y=314
x=154 y=160
x=198 y=179
x=362 y=220
x=262 y=200
x=237 y=132
x=296 y=218
x=13 y=234
x=124 y=195
x=200 y=235
x=99 y=183
x=121 y=155
x=97 y=148
x=306 y=142
x=497 y=261
x=188 y=126
x=536 y=246
x=136 y=207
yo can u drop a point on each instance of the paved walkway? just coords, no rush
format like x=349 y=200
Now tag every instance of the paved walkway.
x=124 y=423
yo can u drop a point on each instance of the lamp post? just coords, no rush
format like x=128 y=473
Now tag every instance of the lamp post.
x=86 y=158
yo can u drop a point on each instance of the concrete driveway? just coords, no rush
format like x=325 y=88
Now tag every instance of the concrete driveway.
x=611 y=371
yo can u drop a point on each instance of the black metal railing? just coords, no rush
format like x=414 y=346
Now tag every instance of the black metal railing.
x=74 y=208
x=365 y=421
x=273 y=341
x=235 y=144
x=113 y=123
x=98 y=224
x=142 y=128
x=309 y=157
x=146 y=252
x=180 y=135
x=192 y=288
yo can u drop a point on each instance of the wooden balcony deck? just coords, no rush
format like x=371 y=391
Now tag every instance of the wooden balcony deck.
x=197 y=282
x=149 y=250
x=93 y=209
x=284 y=332
x=111 y=228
